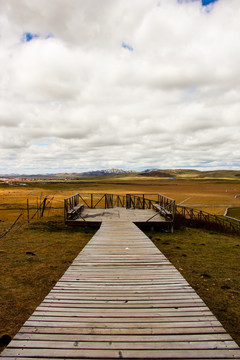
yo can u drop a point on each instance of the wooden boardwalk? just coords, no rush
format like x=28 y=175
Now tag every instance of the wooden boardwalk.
x=121 y=298
x=119 y=214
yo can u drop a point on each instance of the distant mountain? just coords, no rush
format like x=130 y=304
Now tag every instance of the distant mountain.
x=149 y=170
x=191 y=174
x=106 y=172
x=160 y=173
x=67 y=176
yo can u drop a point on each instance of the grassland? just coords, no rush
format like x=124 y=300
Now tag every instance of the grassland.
x=213 y=196
x=210 y=263
x=234 y=212
x=32 y=260
x=33 y=257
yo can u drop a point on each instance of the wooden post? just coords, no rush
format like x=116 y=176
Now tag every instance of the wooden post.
x=37 y=207
x=43 y=206
x=128 y=201
x=9 y=229
x=27 y=211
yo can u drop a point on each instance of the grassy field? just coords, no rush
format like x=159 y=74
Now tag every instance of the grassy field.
x=32 y=260
x=210 y=263
x=33 y=257
x=234 y=212
x=212 y=196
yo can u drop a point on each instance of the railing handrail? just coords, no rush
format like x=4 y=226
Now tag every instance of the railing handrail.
x=166 y=197
x=70 y=197
x=142 y=201
x=205 y=212
x=144 y=197
x=212 y=218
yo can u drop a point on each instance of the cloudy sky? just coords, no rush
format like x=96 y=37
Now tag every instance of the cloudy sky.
x=127 y=84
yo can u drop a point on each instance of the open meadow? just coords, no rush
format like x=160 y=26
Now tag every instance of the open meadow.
x=211 y=195
x=32 y=259
x=34 y=256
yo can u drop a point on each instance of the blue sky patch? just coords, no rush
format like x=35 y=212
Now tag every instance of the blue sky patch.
x=27 y=36
x=206 y=2
x=127 y=46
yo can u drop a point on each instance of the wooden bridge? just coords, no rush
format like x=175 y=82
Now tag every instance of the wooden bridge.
x=121 y=298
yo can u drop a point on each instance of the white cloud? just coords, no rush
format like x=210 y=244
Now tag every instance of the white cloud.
x=79 y=99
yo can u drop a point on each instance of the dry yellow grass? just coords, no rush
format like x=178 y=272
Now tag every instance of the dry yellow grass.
x=210 y=263
x=212 y=196
x=32 y=260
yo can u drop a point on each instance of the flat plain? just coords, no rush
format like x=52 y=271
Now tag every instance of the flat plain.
x=210 y=195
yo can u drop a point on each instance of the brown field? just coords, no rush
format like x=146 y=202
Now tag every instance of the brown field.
x=213 y=196
x=32 y=259
x=209 y=261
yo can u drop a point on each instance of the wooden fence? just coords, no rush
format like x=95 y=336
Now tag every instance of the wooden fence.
x=165 y=205
x=195 y=217
x=93 y=201
x=134 y=201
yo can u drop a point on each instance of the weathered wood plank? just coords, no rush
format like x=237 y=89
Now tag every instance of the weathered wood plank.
x=140 y=354
x=124 y=338
x=124 y=312
x=123 y=331
x=103 y=323
x=120 y=345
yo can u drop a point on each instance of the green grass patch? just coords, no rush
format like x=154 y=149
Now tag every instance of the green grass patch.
x=210 y=262
x=234 y=212
x=32 y=260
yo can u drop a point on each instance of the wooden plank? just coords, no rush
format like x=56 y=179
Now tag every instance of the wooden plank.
x=125 y=305
x=123 y=331
x=164 y=312
x=119 y=345
x=126 y=325
x=117 y=320
x=140 y=354
x=124 y=338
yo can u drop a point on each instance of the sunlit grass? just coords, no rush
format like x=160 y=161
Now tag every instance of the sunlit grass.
x=32 y=260
x=211 y=196
x=210 y=263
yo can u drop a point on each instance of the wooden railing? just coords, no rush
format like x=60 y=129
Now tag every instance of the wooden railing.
x=165 y=205
x=134 y=201
x=201 y=218
x=93 y=200
x=160 y=203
